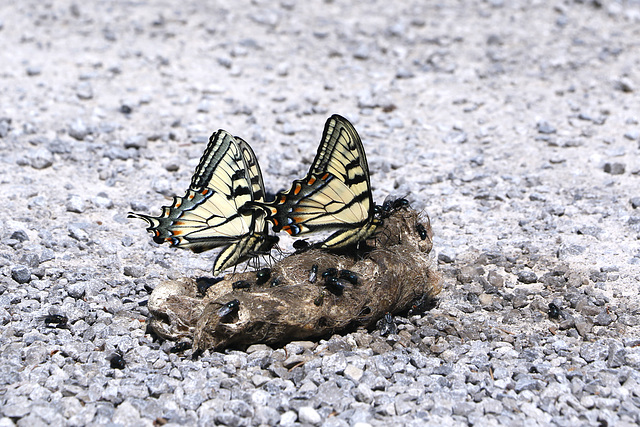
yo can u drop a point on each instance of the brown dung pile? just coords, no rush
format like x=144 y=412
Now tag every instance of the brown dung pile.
x=391 y=276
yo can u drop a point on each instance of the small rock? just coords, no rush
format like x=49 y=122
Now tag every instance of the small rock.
x=527 y=277
x=5 y=126
x=632 y=135
x=75 y=204
x=102 y=200
x=591 y=352
x=33 y=70
x=30 y=260
x=603 y=318
x=624 y=84
x=21 y=274
x=171 y=166
x=566 y=250
x=133 y=270
x=362 y=52
x=446 y=257
x=19 y=235
x=77 y=290
x=545 y=128
x=363 y=393
x=614 y=168
x=334 y=364
x=526 y=383
x=353 y=373
x=288 y=418
x=403 y=73
x=78 y=130
x=40 y=158
x=135 y=141
x=77 y=231
x=84 y=91
x=635 y=202
x=308 y=415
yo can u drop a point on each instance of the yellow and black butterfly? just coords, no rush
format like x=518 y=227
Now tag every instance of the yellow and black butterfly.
x=335 y=194
x=208 y=216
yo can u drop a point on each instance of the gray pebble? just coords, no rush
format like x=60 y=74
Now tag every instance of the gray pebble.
x=632 y=135
x=614 y=168
x=308 y=415
x=77 y=130
x=591 y=352
x=527 y=277
x=135 y=141
x=21 y=274
x=84 y=91
x=5 y=126
x=33 y=70
x=568 y=250
x=526 y=382
x=30 y=259
x=102 y=200
x=40 y=158
x=635 y=202
x=77 y=230
x=77 y=290
x=288 y=418
x=362 y=52
x=545 y=128
x=603 y=318
x=75 y=204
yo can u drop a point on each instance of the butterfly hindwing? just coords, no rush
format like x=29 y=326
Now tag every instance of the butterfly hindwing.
x=207 y=217
x=336 y=193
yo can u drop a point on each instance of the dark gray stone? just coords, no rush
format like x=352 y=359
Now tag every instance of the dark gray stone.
x=614 y=168
x=527 y=277
x=21 y=274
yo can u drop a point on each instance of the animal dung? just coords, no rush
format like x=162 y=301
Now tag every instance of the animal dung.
x=387 y=277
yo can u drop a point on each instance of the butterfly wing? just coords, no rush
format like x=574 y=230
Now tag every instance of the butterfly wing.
x=257 y=241
x=336 y=193
x=207 y=217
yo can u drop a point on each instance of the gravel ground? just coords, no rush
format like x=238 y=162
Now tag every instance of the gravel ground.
x=513 y=125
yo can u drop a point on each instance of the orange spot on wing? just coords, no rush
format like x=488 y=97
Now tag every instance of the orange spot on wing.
x=191 y=196
x=204 y=192
x=325 y=176
x=297 y=189
x=288 y=229
x=178 y=204
x=311 y=180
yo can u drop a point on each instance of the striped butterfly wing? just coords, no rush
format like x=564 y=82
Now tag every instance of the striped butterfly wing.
x=257 y=241
x=207 y=217
x=336 y=193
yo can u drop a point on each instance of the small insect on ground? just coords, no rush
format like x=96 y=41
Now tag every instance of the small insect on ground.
x=422 y=232
x=55 y=321
x=229 y=308
x=554 y=311
x=387 y=325
x=313 y=274
x=334 y=285
x=241 y=284
x=349 y=276
x=263 y=276
x=116 y=361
